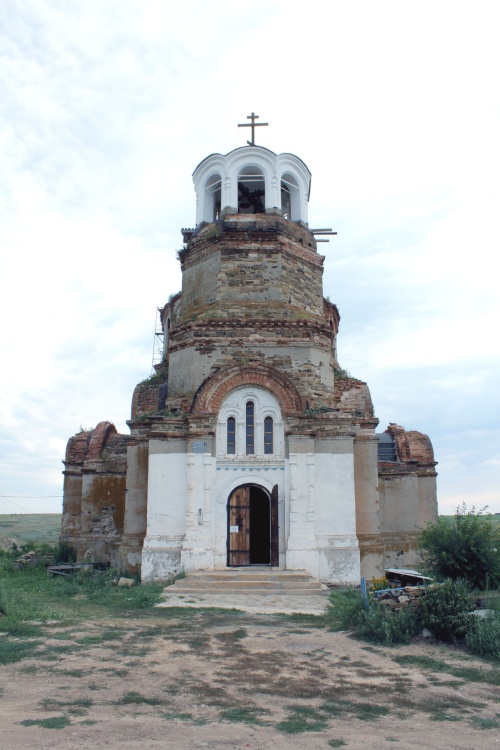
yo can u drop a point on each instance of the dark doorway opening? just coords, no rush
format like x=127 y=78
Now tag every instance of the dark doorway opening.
x=252 y=535
x=260 y=528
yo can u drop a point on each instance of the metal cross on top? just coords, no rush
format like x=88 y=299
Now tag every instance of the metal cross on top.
x=253 y=125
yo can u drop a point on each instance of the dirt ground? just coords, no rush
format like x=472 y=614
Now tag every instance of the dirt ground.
x=212 y=679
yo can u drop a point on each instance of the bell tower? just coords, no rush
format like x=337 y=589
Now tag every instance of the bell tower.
x=251 y=280
x=252 y=180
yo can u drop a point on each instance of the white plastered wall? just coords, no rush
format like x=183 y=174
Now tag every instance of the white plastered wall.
x=167 y=507
x=322 y=538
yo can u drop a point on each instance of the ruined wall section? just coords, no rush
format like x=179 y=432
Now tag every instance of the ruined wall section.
x=408 y=496
x=94 y=497
x=353 y=396
x=146 y=399
x=136 y=506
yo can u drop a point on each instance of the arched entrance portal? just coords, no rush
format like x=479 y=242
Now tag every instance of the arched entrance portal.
x=252 y=526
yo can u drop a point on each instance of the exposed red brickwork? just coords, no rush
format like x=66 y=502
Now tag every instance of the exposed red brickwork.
x=90 y=445
x=353 y=396
x=213 y=391
x=412 y=446
x=76 y=448
x=98 y=439
x=145 y=399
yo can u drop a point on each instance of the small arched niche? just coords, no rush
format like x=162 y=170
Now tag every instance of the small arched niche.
x=212 y=202
x=251 y=191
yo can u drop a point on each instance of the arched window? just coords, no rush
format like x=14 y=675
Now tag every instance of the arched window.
x=250 y=428
x=250 y=424
x=231 y=435
x=268 y=435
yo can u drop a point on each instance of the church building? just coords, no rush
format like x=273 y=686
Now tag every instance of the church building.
x=250 y=445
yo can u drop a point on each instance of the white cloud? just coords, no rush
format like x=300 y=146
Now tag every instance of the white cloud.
x=107 y=109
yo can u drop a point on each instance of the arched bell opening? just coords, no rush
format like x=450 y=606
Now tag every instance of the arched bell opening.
x=286 y=204
x=213 y=198
x=252 y=526
x=251 y=191
x=290 y=198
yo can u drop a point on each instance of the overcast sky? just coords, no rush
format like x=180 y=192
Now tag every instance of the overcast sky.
x=107 y=106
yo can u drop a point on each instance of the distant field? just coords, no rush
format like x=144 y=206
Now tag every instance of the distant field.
x=20 y=528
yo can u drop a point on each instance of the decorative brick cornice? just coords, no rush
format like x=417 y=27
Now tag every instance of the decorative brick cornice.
x=209 y=397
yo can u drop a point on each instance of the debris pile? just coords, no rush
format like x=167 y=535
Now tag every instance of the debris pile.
x=32 y=559
x=405 y=596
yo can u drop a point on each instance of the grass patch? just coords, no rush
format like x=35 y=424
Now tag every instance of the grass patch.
x=113 y=634
x=303 y=719
x=14 y=650
x=55 y=722
x=311 y=621
x=73 y=672
x=81 y=702
x=244 y=715
x=115 y=671
x=209 y=694
x=133 y=697
x=30 y=669
x=369 y=711
x=479 y=723
x=129 y=648
x=153 y=631
x=338 y=743
x=30 y=595
x=177 y=716
x=53 y=652
x=443 y=716
x=89 y=640
x=470 y=674
x=232 y=636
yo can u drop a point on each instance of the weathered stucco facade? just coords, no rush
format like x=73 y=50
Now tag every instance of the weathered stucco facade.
x=250 y=445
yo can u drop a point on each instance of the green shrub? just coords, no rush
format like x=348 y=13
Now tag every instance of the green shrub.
x=467 y=547
x=484 y=638
x=381 y=624
x=346 y=610
x=64 y=553
x=446 y=610
x=370 y=621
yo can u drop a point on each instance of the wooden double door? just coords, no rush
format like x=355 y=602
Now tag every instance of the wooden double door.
x=252 y=527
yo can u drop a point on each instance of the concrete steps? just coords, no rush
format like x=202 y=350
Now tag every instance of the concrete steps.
x=251 y=581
